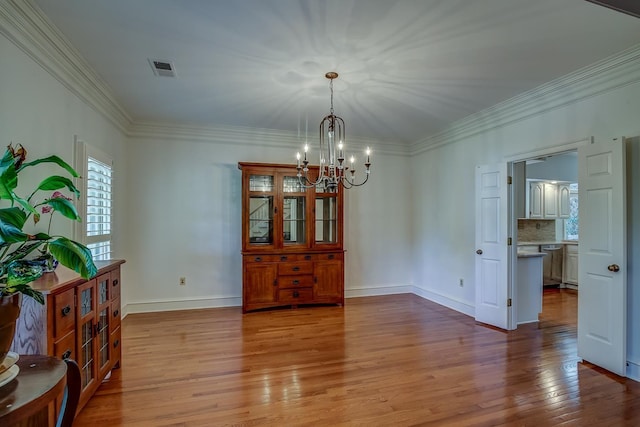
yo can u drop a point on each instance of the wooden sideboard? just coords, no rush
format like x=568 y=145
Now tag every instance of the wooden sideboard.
x=80 y=320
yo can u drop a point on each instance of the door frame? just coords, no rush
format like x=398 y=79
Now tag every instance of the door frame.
x=513 y=221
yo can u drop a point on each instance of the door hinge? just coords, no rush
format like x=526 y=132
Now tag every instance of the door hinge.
x=509 y=180
x=509 y=302
x=509 y=241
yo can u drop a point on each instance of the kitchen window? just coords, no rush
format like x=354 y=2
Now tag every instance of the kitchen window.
x=571 y=224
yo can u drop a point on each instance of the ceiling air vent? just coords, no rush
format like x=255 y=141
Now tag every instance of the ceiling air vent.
x=162 y=68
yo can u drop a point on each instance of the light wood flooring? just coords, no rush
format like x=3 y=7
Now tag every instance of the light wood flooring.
x=394 y=360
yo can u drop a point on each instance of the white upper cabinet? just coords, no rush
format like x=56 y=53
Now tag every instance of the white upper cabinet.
x=564 y=209
x=550 y=200
x=536 y=199
x=547 y=200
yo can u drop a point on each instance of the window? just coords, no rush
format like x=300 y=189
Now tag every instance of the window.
x=96 y=204
x=571 y=223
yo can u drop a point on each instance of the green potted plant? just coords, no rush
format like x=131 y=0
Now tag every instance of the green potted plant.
x=18 y=268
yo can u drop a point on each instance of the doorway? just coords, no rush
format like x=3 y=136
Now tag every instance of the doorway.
x=545 y=193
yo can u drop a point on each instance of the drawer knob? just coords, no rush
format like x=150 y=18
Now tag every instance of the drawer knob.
x=296 y=294
x=307 y=257
x=115 y=282
x=65 y=310
x=257 y=259
x=296 y=282
x=66 y=355
x=283 y=258
x=115 y=313
x=296 y=268
x=331 y=256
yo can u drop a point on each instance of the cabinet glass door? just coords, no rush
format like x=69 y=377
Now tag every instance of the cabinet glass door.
x=261 y=199
x=326 y=219
x=102 y=328
x=294 y=217
x=86 y=314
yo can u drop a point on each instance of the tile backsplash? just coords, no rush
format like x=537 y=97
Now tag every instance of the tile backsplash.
x=536 y=230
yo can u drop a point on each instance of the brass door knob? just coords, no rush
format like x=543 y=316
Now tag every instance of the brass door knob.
x=479 y=251
x=614 y=267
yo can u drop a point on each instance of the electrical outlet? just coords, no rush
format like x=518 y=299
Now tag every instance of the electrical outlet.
x=461 y=282
x=183 y=281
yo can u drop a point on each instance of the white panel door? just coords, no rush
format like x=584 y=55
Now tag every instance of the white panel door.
x=602 y=276
x=491 y=245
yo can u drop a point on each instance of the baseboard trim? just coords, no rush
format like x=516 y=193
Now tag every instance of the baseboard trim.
x=457 y=305
x=183 y=304
x=375 y=291
x=633 y=370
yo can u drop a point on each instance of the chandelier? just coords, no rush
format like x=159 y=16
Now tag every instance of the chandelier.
x=332 y=170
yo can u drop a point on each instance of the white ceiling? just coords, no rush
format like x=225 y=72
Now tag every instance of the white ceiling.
x=408 y=68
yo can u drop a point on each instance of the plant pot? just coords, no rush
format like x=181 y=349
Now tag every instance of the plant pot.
x=9 y=312
x=47 y=261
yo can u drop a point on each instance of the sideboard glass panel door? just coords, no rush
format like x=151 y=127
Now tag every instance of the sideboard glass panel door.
x=102 y=329
x=86 y=315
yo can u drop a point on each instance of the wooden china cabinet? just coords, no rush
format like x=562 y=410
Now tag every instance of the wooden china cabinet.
x=292 y=250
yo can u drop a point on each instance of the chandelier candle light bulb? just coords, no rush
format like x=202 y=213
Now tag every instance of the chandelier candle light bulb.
x=331 y=172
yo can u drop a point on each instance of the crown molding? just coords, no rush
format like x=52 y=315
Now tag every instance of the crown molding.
x=246 y=136
x=24 y=24
x=609 y=74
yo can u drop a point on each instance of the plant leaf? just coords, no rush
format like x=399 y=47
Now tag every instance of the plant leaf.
x=11 y=222
x=52 y=159
x=8 y=176
x=65 y=207
x=21 y=272
x=56 y=182
x=73 y=255
x=25 y=204
x=24 y=250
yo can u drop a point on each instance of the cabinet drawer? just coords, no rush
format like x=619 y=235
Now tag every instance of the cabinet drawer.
x=295 y=295
x=295 y=257
x=115 y=285
x=295 y=281
x=261 y=258
x=64 y=348
x=115 y=316
x=295 y=268
x=64 y=313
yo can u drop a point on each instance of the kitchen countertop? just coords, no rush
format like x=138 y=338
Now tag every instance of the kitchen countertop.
x=555 y=242
x=531 y=254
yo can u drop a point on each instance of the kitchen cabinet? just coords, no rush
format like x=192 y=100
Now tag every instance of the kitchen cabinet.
x=552 y=264
x=564 y=209
x=536 y=199
x=292 y=250
x=547 y=200
x=550 y=208
x=570 y=270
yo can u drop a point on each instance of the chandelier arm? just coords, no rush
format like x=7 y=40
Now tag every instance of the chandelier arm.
x=353 y=184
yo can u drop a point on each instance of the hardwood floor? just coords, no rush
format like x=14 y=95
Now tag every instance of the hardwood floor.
x=393 y=360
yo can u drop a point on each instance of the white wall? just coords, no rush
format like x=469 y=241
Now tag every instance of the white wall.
x=443 y=235
x=184 y=210
x=40 y=113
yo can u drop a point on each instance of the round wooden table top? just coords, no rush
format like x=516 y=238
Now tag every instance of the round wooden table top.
x=40 y=380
